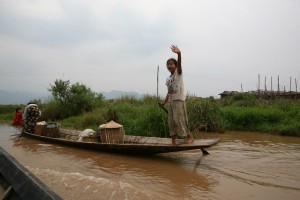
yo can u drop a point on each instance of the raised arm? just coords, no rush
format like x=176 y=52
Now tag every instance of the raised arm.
x=175 y=49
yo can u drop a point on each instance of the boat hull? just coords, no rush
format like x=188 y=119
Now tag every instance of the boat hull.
x=132 y=144
x=19 y=183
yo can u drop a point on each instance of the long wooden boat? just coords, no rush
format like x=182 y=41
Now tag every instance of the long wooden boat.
x=132 y=144
x=16 y=182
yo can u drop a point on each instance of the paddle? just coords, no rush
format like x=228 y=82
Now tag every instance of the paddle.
x=162 y=107
x=204 y=152
x=17 y=134
x=157 y=94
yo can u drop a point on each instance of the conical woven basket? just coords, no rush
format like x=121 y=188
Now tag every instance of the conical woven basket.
x=111 y=132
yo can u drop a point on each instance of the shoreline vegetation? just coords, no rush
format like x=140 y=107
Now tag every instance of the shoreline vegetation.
x=144 y=117
x=77 y=107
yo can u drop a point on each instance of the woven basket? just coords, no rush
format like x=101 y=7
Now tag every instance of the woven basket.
x=111 y=132
x=39 y=129
x=51 y=130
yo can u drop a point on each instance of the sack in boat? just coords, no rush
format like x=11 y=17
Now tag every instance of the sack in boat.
x=111 y=132
x=88 y=135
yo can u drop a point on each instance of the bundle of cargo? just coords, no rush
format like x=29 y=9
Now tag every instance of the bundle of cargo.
x=47 y=129
x=88 y=135
x=39 y=128
x=111 y=132
x=51 y=130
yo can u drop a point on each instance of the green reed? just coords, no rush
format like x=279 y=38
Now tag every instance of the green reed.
x=144 y=117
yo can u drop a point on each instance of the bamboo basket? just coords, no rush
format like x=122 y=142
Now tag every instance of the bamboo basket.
x=39 y=129
x=111 y=132
x=51 y=130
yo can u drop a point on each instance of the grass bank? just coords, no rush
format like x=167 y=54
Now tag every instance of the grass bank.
x=250 y=113
x=144 y=117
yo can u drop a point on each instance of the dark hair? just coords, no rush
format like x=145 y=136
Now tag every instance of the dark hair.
x=172 y=60
x=17 y=109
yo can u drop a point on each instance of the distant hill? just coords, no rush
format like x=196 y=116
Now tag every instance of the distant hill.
x=115 y=94
x=17 y=97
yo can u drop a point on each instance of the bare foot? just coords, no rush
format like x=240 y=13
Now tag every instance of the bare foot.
x=173 y=139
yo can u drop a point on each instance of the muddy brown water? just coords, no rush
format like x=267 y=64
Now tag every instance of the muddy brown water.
x=242 y=166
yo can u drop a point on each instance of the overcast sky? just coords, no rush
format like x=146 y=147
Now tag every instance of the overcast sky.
x=117 y=45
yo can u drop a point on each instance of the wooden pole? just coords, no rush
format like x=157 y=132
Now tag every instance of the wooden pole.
x=258 y=82
x=278 y=83
x=157 y=80
x=296 y=84
x=290 y=83
x=271 y=84
x=265 y=83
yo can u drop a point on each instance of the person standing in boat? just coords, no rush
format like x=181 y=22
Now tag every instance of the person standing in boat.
x=17 y=120
x=30 y=117
x=177 y=115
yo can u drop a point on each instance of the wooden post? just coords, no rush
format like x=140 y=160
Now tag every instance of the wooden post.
x=278 y=84
x=296 y=84
x=258 y=82
x=290 y=83
x=157 y=78
x=258 y=89
x=271 y=84
x=265 y=83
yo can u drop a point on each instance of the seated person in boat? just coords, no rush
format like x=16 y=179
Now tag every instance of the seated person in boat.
x=17 y=120
x=30 y=117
